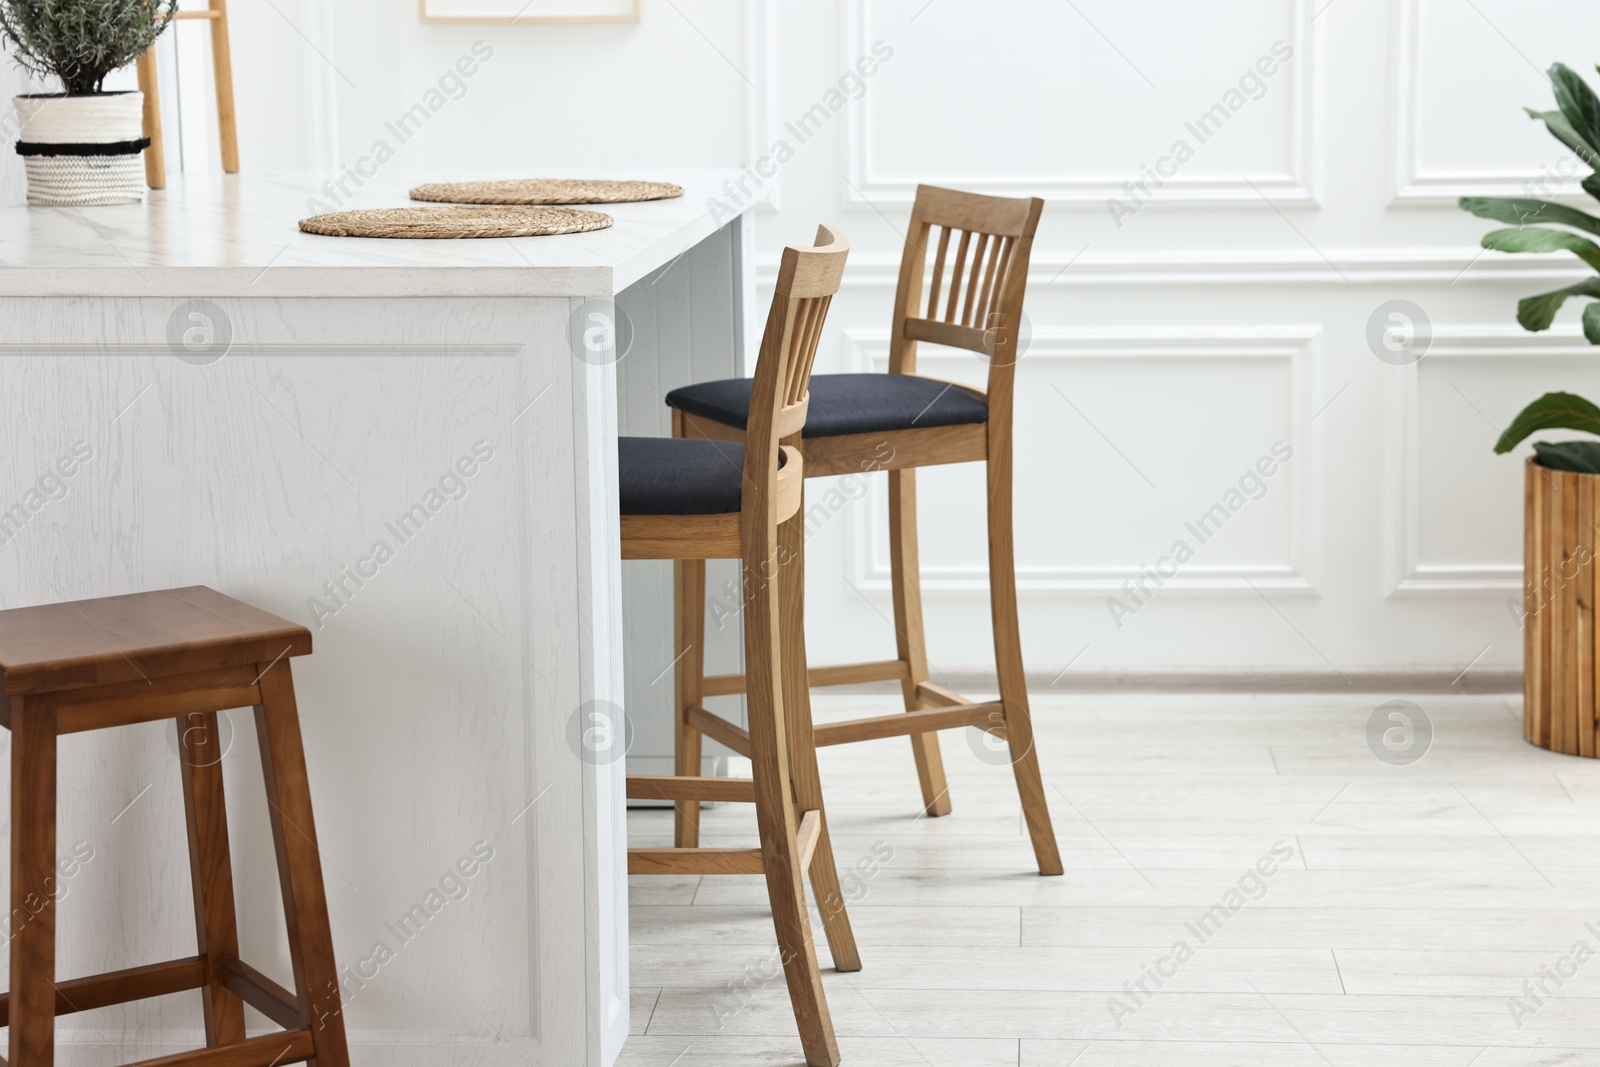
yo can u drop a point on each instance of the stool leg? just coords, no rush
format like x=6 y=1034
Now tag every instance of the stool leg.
x=294 y=833
x=803 y=773
x=1008 y=658
x=906 y=574
x=689 y=633
x=775 y=815
x=211 y=871
x=32 y=923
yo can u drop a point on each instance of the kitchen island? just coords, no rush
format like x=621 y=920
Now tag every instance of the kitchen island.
x=408 y=446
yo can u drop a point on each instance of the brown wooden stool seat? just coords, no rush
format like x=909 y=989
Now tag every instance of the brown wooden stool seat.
x=185 y=654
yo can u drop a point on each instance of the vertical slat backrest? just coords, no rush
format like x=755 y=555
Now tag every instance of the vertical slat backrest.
x=969 y=254
x=807 y=280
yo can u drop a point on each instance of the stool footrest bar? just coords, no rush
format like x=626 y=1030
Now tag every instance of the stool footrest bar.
x=719 y=730
x=939 y=697
x=722 y=685
x=807 y=836
x=263 y=994
x=120 y=987
x=695 y=861
x=888 y=670
x=268 y=1050
x=989 y=717
x=685 y=787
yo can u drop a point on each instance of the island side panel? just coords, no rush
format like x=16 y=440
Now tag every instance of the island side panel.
x=598 y=730
x=686 y=323
x=399 y=475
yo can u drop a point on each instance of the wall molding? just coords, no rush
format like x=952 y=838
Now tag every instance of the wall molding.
x=1299 y=346
x=322 y=125
x=1413 y=183
x=1360 y=266
x=762 y=118
x=1299 y=184
x=1407 y=573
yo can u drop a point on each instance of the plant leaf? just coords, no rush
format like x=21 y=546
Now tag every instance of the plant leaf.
x=1562 y=131
x=1538 y=239
x=1553 y=411
x=1591 y=323
x=81 y=41
x=1580 y=457
x=1538 y=312
x=1520 y=211
x=1577 y=102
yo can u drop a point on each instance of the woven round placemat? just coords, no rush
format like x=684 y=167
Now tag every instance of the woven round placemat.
x=454 y=222
x=546 y=191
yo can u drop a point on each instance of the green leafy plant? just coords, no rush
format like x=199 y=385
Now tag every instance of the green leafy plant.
x=1575 y=124
x=81 y=41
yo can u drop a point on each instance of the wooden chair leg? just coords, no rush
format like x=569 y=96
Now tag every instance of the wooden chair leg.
x=32 y=922
x=211 y=870
x=305 y=902
x=905 y=570
x=155 y=160
x=803 y=773
x=775 y=814
x=689 y=651
x=1008 y=661
x=222 y=74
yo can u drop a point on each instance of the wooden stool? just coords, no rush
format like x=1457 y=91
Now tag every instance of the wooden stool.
x=690 y=501
x=184 y=654
x=897 y=422
x=155 y=158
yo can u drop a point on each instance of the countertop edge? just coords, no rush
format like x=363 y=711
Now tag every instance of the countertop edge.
x=293 y=282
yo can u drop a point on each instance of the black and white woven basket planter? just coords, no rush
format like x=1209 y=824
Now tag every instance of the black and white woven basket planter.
x=82 y=150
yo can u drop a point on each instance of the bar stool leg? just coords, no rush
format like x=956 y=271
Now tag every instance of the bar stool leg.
x=689 y=651
x=775 y=815
x=803 y=773
x=32 y=922
x=294 y=833
x=211 y=871
x=906 y=573
x=1008 y=659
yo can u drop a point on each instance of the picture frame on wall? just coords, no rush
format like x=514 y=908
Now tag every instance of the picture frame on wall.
x=521 y=11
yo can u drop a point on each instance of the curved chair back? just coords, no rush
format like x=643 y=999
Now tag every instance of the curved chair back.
x=807 y=280
x=975 y=280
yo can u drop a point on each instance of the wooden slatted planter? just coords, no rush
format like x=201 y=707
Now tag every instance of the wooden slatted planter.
x=1559 y=662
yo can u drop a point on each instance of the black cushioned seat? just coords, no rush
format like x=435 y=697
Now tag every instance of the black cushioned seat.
x=667 y=476
x=844 y=403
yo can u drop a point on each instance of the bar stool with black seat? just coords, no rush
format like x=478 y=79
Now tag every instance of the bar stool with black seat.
x=690 y=501
x=897 y=422
x=184 y=654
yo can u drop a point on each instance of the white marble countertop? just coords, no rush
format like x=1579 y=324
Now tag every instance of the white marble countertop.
x=236 y=236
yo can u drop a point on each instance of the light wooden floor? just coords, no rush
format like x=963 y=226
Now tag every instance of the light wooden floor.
x=1418 y=900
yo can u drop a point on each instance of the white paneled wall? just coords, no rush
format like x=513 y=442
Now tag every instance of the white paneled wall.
x=1281 y=170
x=1219 y=310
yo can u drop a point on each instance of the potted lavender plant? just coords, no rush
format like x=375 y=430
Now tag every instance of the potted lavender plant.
x=81 y=145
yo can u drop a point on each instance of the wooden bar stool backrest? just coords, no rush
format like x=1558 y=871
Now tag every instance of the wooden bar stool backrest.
x=807 y=280
x=975 y=281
